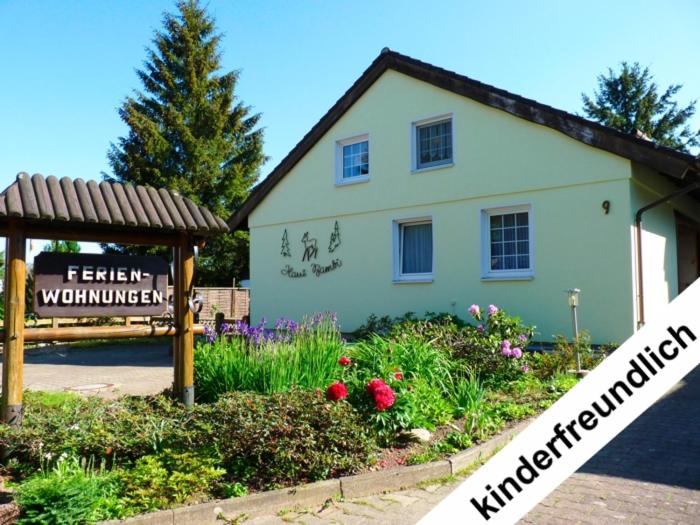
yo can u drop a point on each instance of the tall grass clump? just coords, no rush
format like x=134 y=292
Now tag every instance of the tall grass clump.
x=252 y=358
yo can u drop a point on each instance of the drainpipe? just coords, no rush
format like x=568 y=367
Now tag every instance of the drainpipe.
x=638 y=228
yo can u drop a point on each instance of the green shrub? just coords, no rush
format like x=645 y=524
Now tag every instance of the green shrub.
x=255 y=360
x=117 y=432
x=287 y=438
x=169 y=478
x=272 y=440
x=69 y=494
x=478 y=348
x=563 y=357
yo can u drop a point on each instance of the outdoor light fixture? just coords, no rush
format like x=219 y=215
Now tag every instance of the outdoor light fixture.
x=573 y=294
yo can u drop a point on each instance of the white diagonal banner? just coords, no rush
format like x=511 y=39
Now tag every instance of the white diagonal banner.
x=584 y=420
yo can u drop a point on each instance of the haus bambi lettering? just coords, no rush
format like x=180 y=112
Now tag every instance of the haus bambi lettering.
x=310 y=252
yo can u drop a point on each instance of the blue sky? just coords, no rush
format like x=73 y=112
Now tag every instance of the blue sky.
x=67 y=65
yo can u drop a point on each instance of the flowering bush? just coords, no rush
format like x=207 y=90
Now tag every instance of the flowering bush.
x=397 y=385
x=493 y=347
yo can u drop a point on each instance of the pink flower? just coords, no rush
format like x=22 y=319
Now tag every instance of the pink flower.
x=525 y=369
x=516 y=352
x=522 y=338
x=505 y=348
x=492 y=309
x=336 y=392
x=474 y=310
x=398 y=375
x=480 y=328
x=344 y=361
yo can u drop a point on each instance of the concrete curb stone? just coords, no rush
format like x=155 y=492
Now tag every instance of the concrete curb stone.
x=256 y=504
x=394 y=479
x=161 y=517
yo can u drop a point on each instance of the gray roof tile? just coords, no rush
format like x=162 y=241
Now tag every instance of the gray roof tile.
x=48 y=200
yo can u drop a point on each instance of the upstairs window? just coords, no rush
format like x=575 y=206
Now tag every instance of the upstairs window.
x=507 y=243
x=433 y=143
x=352 y=160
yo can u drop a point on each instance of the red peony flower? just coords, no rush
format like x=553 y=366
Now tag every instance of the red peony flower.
x=336 y=392
x=384 y=397
x=373 y=385
x=344 y=361
x=398 y=375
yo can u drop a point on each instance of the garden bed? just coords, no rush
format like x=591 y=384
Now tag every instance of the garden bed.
x=278 y=408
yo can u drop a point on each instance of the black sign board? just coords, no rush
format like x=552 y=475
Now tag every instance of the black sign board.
x=93 y=285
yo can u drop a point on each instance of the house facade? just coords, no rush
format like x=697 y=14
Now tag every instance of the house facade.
x=422 y=190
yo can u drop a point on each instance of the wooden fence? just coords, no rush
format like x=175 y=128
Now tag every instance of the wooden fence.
x=234 y=303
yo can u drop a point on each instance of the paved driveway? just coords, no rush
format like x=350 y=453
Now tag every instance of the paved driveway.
x=128 y=369
x=649 y=474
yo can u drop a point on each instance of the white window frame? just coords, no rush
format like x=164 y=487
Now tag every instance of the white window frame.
x=414 y=142
x=339 y=145
x=399 y=277
x=487 y=274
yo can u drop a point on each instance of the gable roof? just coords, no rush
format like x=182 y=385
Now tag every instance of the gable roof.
x=104 y=206
x=667 y=161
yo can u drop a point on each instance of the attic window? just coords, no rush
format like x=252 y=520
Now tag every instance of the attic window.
x=352 y=160
x=433 y=143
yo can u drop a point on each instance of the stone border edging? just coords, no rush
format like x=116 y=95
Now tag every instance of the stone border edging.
x=347 y=487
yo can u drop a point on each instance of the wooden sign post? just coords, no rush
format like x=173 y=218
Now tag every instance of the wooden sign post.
x=13 y=351
x=39 y=208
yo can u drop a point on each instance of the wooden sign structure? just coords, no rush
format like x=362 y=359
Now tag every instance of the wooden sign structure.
x=48 y=208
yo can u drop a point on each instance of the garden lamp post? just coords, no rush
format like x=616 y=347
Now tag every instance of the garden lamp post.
x=573 y=304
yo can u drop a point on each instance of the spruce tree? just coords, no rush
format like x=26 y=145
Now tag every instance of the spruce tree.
x=190 y=133
x=630 y=101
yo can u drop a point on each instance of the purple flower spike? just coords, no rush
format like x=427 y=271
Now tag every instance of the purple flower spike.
x=210 y=334
x=516 y=352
